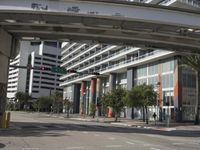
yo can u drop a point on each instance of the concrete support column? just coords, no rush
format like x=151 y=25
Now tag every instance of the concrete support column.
x=76 y=97
x=130 y=84
x=160 y=93
x=5 y=50
x=98 y=94
x=98 y=89
x=112 y=85
x=83 y=97
x=92 y=92
x=178 y=92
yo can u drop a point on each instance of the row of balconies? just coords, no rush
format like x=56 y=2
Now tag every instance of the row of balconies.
x=118 y=65
x=91 y=61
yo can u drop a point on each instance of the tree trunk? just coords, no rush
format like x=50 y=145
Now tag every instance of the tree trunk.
x=147 y=119
x=143 y=114
x=116 y=116
x=68 y=113
x=197 y=107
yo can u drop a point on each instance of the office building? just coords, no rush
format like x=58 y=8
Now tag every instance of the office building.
x=35 y=82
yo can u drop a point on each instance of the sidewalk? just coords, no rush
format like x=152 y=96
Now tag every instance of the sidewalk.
x=188 y=126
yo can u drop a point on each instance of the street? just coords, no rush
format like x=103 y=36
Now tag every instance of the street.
x=34 y=131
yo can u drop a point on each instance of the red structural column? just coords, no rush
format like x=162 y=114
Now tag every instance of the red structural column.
x=92 y=91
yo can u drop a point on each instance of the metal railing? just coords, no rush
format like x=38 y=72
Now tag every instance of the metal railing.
x=119 y=64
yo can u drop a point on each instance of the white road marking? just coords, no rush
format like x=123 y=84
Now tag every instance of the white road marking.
x=96 y=135
x=111 y=138
x=78 y=147
x=30 y=148
x=85 y=132
x=178 y=143
x=146 y=144
x=154 y=148
x=130 y=143
x=113 y=146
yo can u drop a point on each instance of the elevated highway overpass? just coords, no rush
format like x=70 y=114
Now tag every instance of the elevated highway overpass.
x=106 y=21
x=125 y=23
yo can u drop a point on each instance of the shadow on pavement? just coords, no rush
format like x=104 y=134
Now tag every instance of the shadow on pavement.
x=2 y=145
x=26 y=129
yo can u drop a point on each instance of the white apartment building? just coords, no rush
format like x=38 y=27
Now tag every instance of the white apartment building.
x=125 y=66
x=35 y=82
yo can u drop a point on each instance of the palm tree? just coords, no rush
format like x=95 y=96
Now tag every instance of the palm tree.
x=194 y=62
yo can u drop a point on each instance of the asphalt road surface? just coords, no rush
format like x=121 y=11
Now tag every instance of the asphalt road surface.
x=33 y=131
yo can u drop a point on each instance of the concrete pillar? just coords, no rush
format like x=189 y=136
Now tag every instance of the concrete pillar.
x=178 y=91
x=98 y=94
x=112 y=85
x=130 y=84
x=5 y=50
x=92 y=92
x=112 y=81
x=98 y=89
x=83 y=97
x=76 y=97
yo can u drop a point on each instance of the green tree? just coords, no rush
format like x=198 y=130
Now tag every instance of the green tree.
x=115 y=99
x=104 y=102
x=35 y=105
x=141 y=96
x=67 y=105
x=57 y=102
x=92 y=109
x=22 y=98
x=194 y=62
x=44 y=103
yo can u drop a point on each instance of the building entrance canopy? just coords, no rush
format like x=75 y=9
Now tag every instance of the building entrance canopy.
x=107 y=21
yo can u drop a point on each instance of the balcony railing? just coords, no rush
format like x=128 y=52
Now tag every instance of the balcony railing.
x=84 y=58
x=129 y=61
x=107 y=57
x=194 y=3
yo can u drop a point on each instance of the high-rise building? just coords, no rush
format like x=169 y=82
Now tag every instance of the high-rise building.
x=35 y=82
x=124 y=66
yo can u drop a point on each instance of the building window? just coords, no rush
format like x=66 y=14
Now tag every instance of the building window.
x=35 y=91
x=168 y=66
x=168 y=81
x=52 y=79
x=35 y=86
x=153 y=69
x=45 y=87
x=50 y=60
x=36 y=81
x=141 y=71
x=49 y=55
x=49 y=43
x=47 y=83
x=36 y=77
